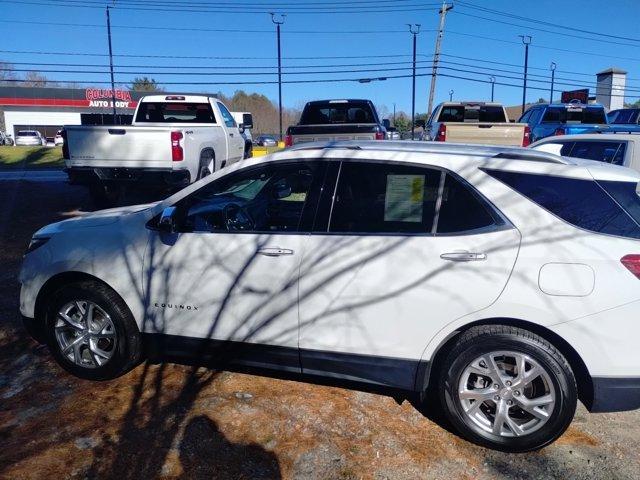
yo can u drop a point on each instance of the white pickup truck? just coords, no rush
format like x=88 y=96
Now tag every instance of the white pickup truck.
x=173 y=141
x=475 y=122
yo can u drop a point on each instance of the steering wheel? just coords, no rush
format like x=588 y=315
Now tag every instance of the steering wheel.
x=236 y=218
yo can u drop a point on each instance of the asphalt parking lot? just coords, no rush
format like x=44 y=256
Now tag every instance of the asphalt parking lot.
x=173 y=421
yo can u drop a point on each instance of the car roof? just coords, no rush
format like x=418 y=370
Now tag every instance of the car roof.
x=187 y=98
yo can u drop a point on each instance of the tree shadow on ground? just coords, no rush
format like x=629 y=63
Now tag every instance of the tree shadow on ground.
x=206 y=453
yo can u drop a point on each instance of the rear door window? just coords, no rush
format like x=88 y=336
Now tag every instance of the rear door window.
x=582 y=203
x=608 y=152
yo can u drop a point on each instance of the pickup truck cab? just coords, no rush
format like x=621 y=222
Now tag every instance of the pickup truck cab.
x=333 y=120
x=546 y=120
x=173 y=141
x=475 y=122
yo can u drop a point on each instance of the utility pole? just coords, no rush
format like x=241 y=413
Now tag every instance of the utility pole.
x=436 y=57
x=492 y=79
x=451 y=95
x=553 y=77
x=414 y=29
x=526 y=40
x=113 y=88
x=279 y=20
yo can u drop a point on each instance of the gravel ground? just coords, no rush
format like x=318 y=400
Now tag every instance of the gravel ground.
x=170 y=421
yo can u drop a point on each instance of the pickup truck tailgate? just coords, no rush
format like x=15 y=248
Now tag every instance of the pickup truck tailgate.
x=119 y=146
x=315 y=133
x=485 y=133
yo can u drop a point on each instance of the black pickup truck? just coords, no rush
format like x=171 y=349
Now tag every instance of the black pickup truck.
x=323 y=120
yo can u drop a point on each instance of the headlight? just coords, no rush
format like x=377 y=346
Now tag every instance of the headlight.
x=36 y=242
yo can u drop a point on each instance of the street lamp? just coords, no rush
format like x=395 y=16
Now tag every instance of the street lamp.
x=279 y=20
x=414 y=29
x=492 y=79
x=526 y=40
x=450 y=95
x=553 y=77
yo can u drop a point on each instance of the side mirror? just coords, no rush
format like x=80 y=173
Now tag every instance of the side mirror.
x=386 y=123
x=166 y=223
x=247 y=121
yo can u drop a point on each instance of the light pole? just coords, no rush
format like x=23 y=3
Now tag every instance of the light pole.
x=279 y=20
x=553 y=77
x=526 y=40
x=113 y=88
x=414 y=29
x=492 y=79
x=450 y=94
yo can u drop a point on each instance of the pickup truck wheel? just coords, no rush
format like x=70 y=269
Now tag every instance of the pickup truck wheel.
x=207 y=164
x=507 y=389
x=91 y=331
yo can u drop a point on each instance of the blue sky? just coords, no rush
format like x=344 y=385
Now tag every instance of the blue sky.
x=314 y=36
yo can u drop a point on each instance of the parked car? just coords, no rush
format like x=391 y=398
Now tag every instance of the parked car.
x=475 y=122
x=502 y=281
x=173 y=141
x=5 y=139
x=324 y=120
x=616 y=148
x=624 y=116
x=266 y=141
x=58 y=139
x=30 y=138
x=546 y=120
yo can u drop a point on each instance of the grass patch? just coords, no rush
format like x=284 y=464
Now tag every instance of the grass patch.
x=30 y=157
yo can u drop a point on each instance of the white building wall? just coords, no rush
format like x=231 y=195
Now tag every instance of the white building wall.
x=35 y=119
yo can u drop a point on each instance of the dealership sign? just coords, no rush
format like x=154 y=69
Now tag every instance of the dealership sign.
x=101 y=97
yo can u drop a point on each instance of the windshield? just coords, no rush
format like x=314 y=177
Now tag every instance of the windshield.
x=25 y=133
x=472 y=113
x=574 y=115
x=163 y=112
x=332 y=113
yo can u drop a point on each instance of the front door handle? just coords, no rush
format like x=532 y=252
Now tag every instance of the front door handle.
x=463 y=256
x=231 y=134
x=275 y=251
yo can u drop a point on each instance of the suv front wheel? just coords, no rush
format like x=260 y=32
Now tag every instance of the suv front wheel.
x=508 y=389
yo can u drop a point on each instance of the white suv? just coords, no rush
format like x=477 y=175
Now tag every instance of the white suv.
x=503 y=280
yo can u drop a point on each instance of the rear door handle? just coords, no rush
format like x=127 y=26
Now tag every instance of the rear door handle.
x=275 y=251
x=231 y=134
x=463 y=256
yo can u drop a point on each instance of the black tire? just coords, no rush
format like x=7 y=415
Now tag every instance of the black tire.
x=484 y=339
x=206 y=157
x=127 y=350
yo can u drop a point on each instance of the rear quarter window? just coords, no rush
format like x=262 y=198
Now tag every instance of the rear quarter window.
x=582 y=203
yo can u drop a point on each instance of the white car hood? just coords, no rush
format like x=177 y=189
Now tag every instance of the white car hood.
x=93 y=219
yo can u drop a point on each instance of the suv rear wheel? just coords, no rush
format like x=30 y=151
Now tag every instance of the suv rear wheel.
x=91 y=332
x=508 y=389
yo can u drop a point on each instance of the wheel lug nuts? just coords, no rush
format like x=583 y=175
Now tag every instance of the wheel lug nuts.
x=509 y=402
x=508 y=383
x=516 y=393
x=497 y=398
x=496 y=386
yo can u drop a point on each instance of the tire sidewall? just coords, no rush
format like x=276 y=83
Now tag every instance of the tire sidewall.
x=561 y=378
x=126 y=340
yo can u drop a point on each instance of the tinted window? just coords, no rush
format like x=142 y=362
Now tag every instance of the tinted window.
x=608 y=152
x=626 y=194
x=24 y=133
x=535 y=116
x=163 y=112
x=229 y=121
x=574 y=115
x=462 y=209
x=381 y=198
x=339 y=112
x=624 y=116
x=582 y=203
x=265 y=199
x=472 y=113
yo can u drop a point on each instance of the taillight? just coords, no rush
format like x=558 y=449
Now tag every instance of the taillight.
x=288 y=141
x=632 y=263
x=177 y=154
x=380 y=135
x=526 y=138
x=559 y=131
x=441 y=136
